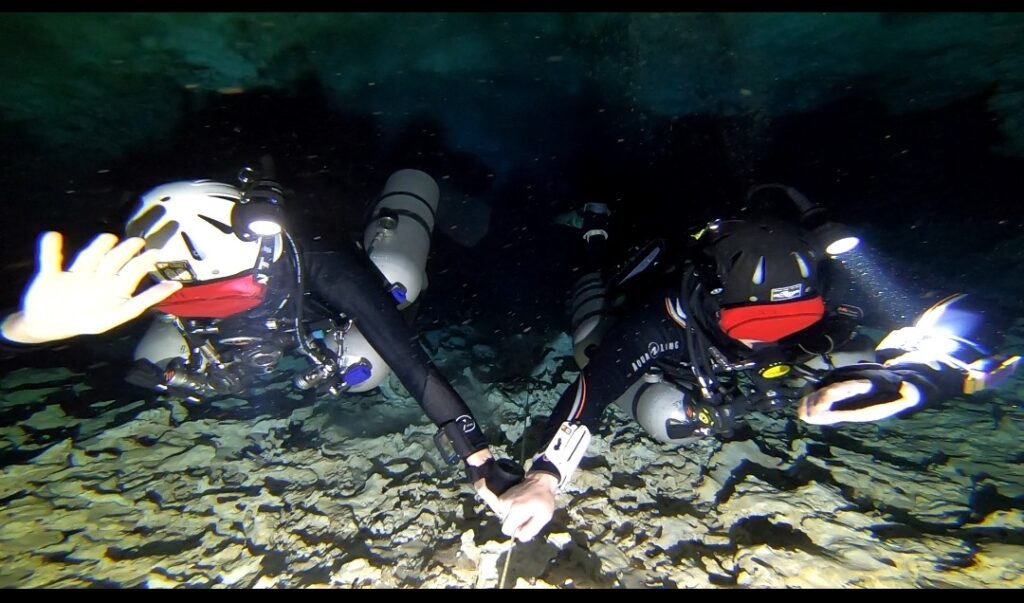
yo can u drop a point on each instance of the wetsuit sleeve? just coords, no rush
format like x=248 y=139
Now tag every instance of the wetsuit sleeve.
x=650 y=333
x=936 y=384
x=353 y=286
x=937 y=381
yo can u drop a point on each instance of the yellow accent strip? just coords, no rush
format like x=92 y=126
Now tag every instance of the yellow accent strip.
x=975 y=381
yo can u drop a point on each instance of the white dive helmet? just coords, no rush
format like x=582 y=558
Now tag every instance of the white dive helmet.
x=190 y=223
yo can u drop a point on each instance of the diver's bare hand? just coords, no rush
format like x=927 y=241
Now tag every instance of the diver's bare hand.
x=94 y=295
x=530 y=504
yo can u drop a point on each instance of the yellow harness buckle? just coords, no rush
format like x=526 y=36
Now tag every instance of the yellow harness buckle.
x=982 y=375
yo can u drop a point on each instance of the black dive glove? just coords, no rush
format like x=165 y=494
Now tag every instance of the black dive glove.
x=868 y=392
x=498 y=475
x=885 y=381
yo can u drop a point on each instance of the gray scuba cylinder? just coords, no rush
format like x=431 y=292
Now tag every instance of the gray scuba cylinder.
x=162 y=342
x=397 y=239
x=360 y=367
x=662 y=409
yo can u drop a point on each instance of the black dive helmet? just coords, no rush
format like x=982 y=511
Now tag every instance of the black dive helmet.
x=764 y=273
x=761 y=258
x=759 y=261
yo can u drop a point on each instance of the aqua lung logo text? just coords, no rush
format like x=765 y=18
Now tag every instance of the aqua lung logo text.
x=653 y=350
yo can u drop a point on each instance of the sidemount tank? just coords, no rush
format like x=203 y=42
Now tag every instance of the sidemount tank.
x=397 y=238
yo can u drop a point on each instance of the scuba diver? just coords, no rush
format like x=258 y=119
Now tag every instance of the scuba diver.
x=235 y=292
x=744 y=321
